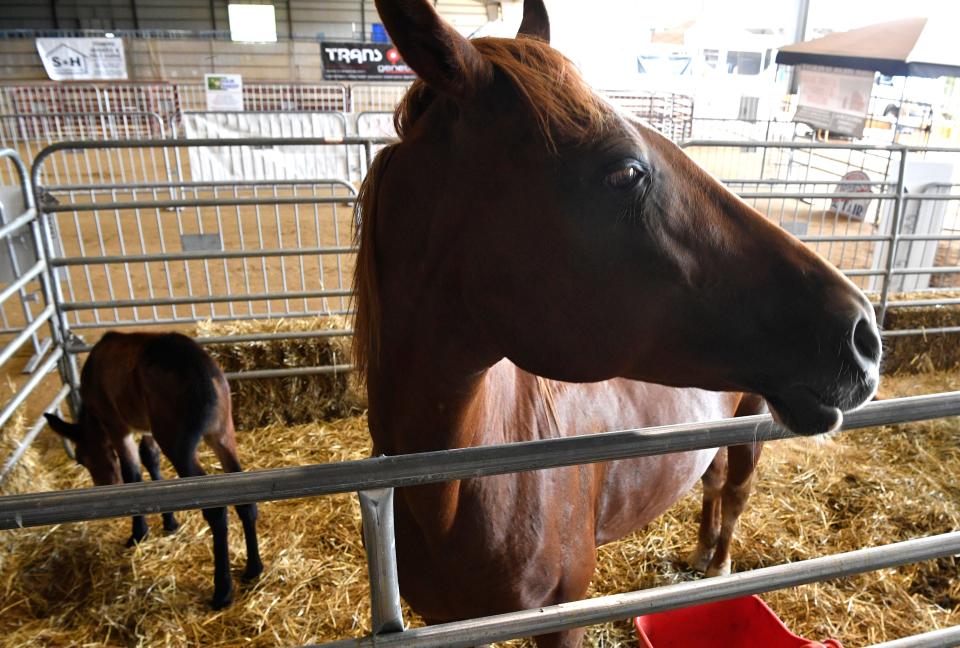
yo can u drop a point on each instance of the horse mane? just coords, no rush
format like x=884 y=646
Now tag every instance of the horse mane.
x=564 y=107
x=366 y=319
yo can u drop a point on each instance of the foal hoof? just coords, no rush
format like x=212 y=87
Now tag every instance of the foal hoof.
x=252 y=572
x=222 y=601
x=133 y=540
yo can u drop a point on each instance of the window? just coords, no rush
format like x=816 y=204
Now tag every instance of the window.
x=712 y=58
x=744 y=62
x=252 y=23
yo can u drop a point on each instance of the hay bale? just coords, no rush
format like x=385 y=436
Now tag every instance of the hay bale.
x=288 y=400
x=921 y=353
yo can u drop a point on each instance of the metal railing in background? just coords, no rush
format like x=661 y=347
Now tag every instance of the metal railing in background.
x=376 y=97
x=250 y=245
x=252 y=196
x=276 y=97
x=669 y=113
x=164 y=98
x=28 y=134
x=48 y=357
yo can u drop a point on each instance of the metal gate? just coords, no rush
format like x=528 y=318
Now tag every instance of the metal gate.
x=107 y=275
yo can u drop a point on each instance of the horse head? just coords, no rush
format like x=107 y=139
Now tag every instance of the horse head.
x=91 y=447
x=543 y=225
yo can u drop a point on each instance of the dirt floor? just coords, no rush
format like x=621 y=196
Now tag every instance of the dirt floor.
x=76 y=584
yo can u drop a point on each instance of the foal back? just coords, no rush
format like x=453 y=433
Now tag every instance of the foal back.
x=162 y=382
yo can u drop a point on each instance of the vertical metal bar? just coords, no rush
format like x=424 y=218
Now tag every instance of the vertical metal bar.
x=376 y=509
x=136 y=16
x=898 y=206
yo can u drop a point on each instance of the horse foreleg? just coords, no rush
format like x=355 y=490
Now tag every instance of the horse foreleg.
x=741 y=464
x=224 y=445
x=150 y=458
x=130 y=471
x=185 y=461
x=709 y=532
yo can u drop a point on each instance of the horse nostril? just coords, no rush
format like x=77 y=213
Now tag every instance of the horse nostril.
x=866 y=340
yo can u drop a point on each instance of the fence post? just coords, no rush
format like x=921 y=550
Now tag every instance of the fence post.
x=894 y=237
x=376 y=509
x=60 y=328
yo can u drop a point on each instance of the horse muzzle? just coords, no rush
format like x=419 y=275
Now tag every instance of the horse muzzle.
x=816 y=404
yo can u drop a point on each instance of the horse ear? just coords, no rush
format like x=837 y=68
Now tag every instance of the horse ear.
x=444 y=59
x=535 y=21
x=61 y=427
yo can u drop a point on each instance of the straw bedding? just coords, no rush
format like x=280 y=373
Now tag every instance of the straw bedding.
x=77 y=585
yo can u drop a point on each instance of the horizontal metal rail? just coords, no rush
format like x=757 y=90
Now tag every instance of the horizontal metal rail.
x=223 y=317
x=851 y=146
x=25 y=334
x=915 y=303
x=14 y=287
x=209 y=299
x=430 y=467
x=204 y=184
x=615 y=607
x=18 y=222
x=199 y=202
x=933 y=330
x=200 y=256
x=943 y=638
x=826 y=195
x=243 y=338
x=289 y=372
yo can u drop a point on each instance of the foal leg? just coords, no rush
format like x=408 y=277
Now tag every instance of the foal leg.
x=150 y=458
x=712 y=480
x=741 y=463
x=185 y=461
x=130 y=471
x=224 y=445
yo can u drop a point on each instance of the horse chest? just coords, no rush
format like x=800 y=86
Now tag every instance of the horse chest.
x=512 y=543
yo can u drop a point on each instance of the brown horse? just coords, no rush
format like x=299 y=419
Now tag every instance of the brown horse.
x=528 y=255
x=165 y=383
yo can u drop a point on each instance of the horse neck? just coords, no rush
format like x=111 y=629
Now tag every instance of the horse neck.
x=427 y=388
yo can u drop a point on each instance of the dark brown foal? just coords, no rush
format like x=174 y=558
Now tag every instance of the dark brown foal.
x=165 y=383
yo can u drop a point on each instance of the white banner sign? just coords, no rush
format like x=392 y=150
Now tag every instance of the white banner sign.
x=224 y=92
x=836 y=100
x=222 y=163
x=67 y=59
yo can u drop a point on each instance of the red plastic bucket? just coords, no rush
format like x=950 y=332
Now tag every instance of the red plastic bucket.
x=744 y=622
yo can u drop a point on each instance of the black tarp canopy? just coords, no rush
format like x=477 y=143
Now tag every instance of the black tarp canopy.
x=921 y=47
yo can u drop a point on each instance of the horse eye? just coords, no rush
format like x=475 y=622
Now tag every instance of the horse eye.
x=624 y=178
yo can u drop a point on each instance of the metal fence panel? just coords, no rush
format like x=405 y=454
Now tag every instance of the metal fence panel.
x=26 y=320
x=671 y=114
x=28 y=134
